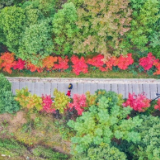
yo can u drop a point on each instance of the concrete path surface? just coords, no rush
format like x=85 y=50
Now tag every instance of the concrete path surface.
x=41 y=86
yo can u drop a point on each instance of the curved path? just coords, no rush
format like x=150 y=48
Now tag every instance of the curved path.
x=41 y=86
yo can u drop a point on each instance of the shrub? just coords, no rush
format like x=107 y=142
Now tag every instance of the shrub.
x=148 y=62
x=5 y=85
x=79 y=103
x=157 y=106
x=112 y=96
x=27 y=100
x=8 y=62
x=149 y=146
x=79 y=65
x=124 y=62
x=33 y=68
x=48 y=153
x=10 y=147
x=91 y=99
x=96 y=61
x=7 y=102
x=101 y=124
x=60 y=101
x=62 y=64
x=138 y=102
x=48 y=62
x=47 y=104
x=104 y=152
x=19 y=64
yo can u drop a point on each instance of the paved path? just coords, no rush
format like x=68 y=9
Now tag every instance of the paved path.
x=41 y=86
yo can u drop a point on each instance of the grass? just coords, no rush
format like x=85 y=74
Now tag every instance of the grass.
x=90 y=74
x=31 y=134
x=17 y=151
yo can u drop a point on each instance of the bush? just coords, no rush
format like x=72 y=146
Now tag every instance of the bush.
x=5 y=84
x=11 y=147
x=7 y=102
x=27 y=100
x=102 y=153
x=102 y=123
x=48 y=153
x=149 y=146
x=60 y=101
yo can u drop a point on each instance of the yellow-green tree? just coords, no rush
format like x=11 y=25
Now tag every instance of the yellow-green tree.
x=102 y=24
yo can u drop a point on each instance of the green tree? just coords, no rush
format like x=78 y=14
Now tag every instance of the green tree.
x=155 y=36
x=47 y=7
x=12 y=25
x=102 y=123
x=64 y=29
x=104 y=152
x=144 y=17
x=149 y=146
x=4 y=3
x=36 y=42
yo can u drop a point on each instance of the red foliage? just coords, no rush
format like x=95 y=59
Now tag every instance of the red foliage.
x=47 y=104
x=20 y=64
x=139 y=103
x=157 y=65
x=147 y=62
x=48 y=62
x=7 y=62
x=33 y=67
x=97 y=61
x=113 y=61
x=62 y=63
x=158 y=105
x=79 y=65
x=124 y=62
x=79 y=102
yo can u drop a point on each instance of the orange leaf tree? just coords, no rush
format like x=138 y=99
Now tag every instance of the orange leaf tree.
x=7 y=62
x=48 y=62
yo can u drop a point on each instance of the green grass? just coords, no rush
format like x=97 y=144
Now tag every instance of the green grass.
x=15 y=150
x=90 y=74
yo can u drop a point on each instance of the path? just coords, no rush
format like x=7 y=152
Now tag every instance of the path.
x=41 y=86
